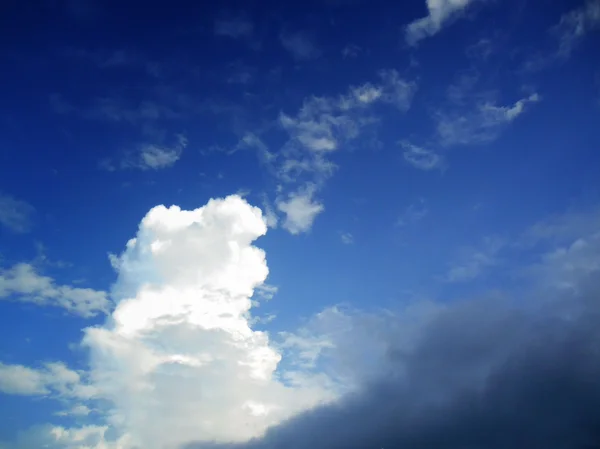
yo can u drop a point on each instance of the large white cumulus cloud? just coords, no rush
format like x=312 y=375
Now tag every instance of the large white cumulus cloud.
x=178 y=360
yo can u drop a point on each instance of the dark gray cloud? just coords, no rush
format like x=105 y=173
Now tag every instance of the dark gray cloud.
x=482 y=374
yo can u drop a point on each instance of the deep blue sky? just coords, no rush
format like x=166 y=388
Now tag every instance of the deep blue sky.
x=478 y=129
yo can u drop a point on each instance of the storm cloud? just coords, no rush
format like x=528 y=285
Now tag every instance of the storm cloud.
x=477 y=374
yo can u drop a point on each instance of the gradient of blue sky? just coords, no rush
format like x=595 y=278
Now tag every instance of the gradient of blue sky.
x=400 y=151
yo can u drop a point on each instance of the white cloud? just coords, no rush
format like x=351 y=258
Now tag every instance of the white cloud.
x=322 y=126
x=575 y=24
x=20 y=380
x=325 y=124
x=564 y=267
x=440 y=13
x=568 y=246
x=499 y=114
x=421 y=158
x=155 y=157
x=266 y=291
x=178 y=360
x=301 y=45
x=300 y=210
x=53 y=379
x=15 y=214
x=483 y=124
x=21 y=282
x=315 y=135
x=148 y=157
x=570 y=31
x=77 y=410
x=562 y=229
x=271 y=218
x=59 y=437
x=390 y=89
x=237 y=27
x=353 y=347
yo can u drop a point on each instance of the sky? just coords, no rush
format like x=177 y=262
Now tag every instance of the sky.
x=321 y=223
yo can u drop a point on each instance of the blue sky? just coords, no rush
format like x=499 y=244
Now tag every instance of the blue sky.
x=387 y=158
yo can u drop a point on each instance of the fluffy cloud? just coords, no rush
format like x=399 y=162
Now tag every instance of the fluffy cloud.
x=58 y=437
x=570 y=244
x=22 y=282
x=78 y=410
x=53 y=379
x=300 y=210
x=178 y=360
x=15 y=214
x=440 y=13
x=20 y=380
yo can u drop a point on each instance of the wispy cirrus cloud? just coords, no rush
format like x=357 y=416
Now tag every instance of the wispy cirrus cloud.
x=148 y=157
x=351 y=51
x=481 y=123
x=15 y=214
x=301 y=45
x=119 y=109
x=421 y=158
x=324 y=125
x=575 y=24
x=116 y=59
x=568 y=33
x=234 y=27
x=414 y=213
x=474 y=261
x=440 y=13
x=347 y=238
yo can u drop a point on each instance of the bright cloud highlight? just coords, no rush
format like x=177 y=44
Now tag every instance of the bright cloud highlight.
x=178 y=360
